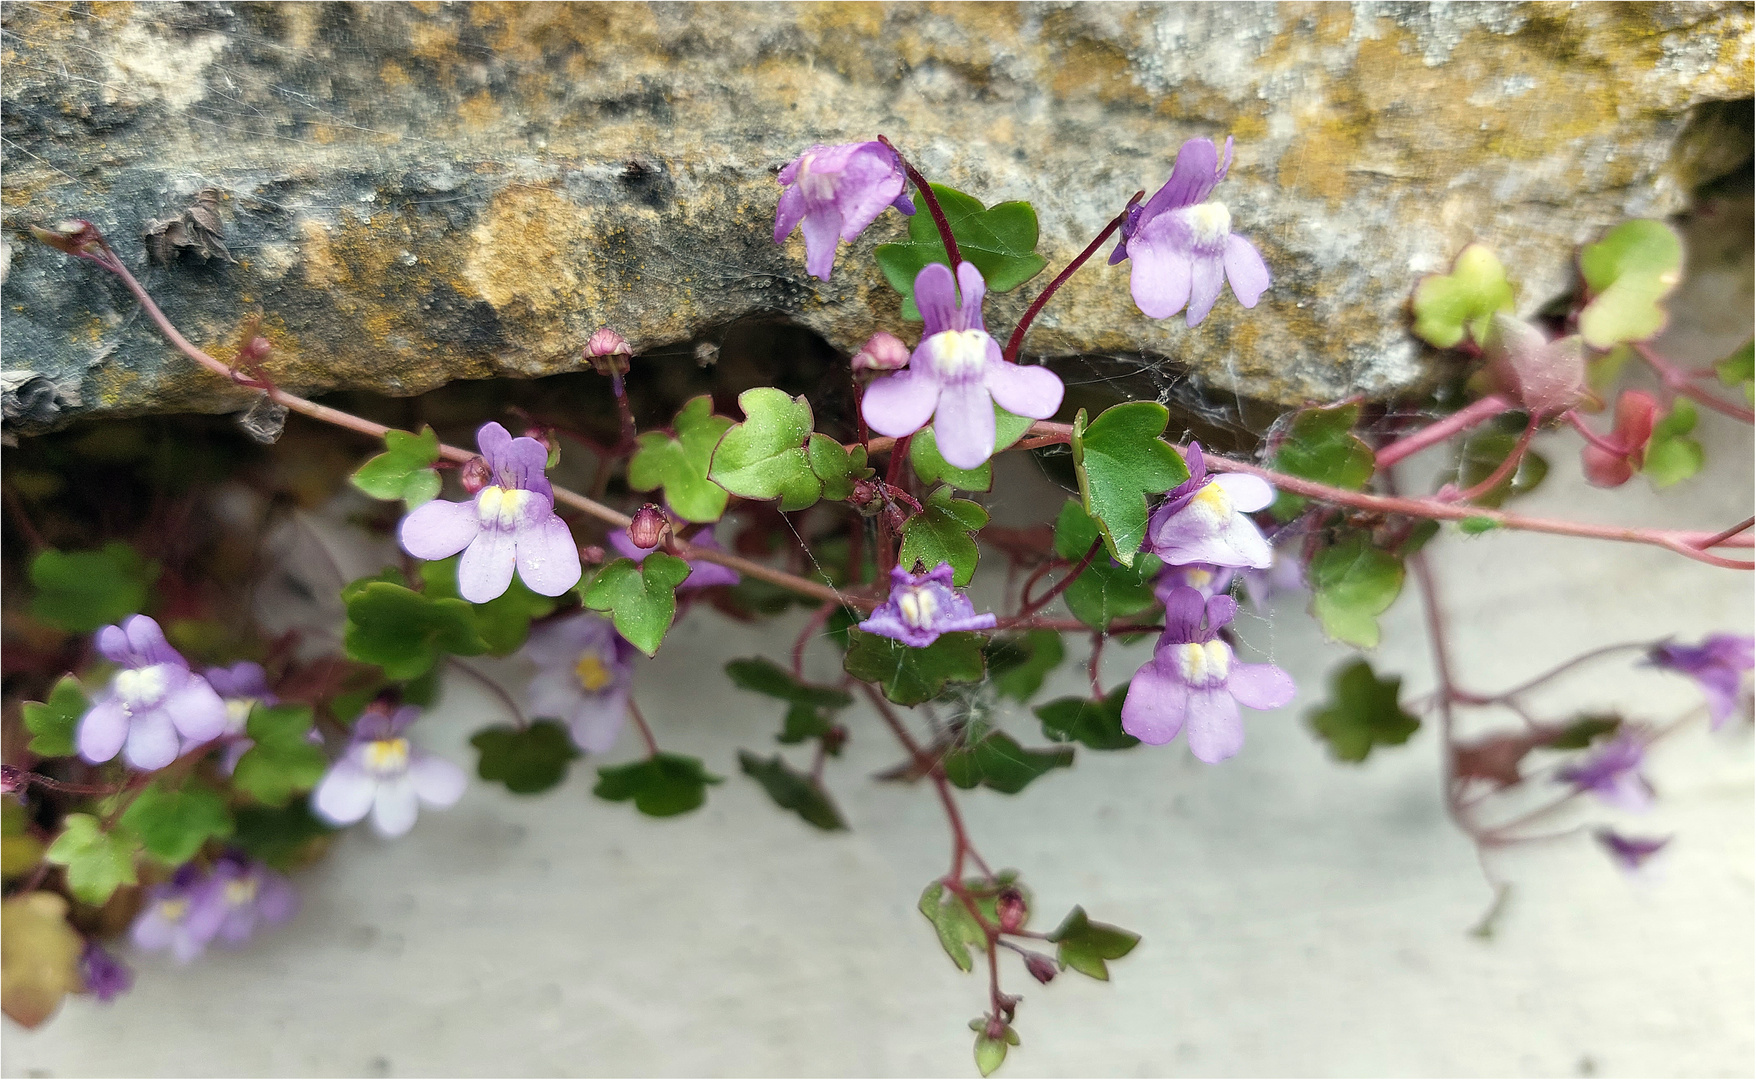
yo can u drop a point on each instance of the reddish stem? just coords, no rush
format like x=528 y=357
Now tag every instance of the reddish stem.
x=1506 y=468
x=1437 y=432
x=932 y=202
x=640 y=725
x=1016 y=342
x=1032 y=606
x=812 y=625
x=1606 y=445
x=1680 y=382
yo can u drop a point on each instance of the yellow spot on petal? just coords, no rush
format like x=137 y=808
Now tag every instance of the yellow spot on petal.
x=593 y=675
x=387 y=755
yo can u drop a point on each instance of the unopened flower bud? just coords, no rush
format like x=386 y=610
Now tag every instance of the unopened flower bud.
x=255 y=351
x=608 y=352
x=648 y=527
x=834 y=739
x=71 y=236
x=1041 y=968
x=881 y=352
x=592 y=554
x=475 y=475
x=868 y=497
x=1012 y=910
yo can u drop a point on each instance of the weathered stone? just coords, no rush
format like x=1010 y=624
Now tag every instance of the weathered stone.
x=416 y=193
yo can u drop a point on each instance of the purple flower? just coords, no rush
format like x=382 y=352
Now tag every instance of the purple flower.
x=957 y=374
x=836 y=191
x=155 y=705
x=1613 y=774
x=1286 y=575
x=105 y=977
x=382 y=773
x=1183 y=248
x=1718 y=664
x=243 y=686
x=584 y=670
x=702 y=573
x=1630 y=852
x=1193 y=678
x=1204 y=578
x=510 y=523
x=182 y=915
x=1202 y=520
x=921 y=607
x=249 y=893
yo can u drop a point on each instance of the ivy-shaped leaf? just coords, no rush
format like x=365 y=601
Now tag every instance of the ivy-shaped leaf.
x=502 y=623
x=80 y=591
x=1321 y=445
x=283 y=762
x=810 y=707
x=931 y=466
x=1739 y=369
x=991 y=1050
x=994 y=759
x=1104 y=591
x=957 y=929
x=98 y=862
x=405 y=469
x=1001 y=241
x=527 y=760
x=836 y=466
x=910 y=676
x=793 y=791
x=1671 y=455
x=640 y=597
x=403 y=631
x=1362 y=712
x=764 y=457
x=173 y=823
x=679 y=464
x=1627 y=273
x=1084 y=945
x=663 y=785
x=1352 y=583
x=1094 y=724
x=1120 y=460
x=1450 y=306
x=1484 y=451
x=53 y=723
x=1018 y=663
x=940 y=533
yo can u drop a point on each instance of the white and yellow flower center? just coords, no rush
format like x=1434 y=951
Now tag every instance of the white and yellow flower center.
x=1213 y=502
x=918 y=607
x=1209 y=222
x=1204 y=663
x=143 y=686
x=593 y=674
x=958 y=354
x=501 y=508
x=818 y=187
x=173 y=910
x=387 y=757
x=1197 y=579
x=238 y=713
x=241 y=891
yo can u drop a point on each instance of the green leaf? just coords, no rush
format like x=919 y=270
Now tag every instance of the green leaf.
x=1475 y=526
x=793 y=791
x=1095 y=724
x=502 y=623
x=811 y=706
x=957 y=928
x=97 y=862
x=1449 y=306
x=1739 y=369
x=1627 y=273
x=910 y=676
x=1362 y=712
x=1672 y=456
x=80 y=591
x=1104 y=591
x=680 y=464
x=990 y=1052
x=931 y=466
x=1001 y=241
x=282 y=763
x=1018 y=663
x=282 y=837
x=1321 y=445
x=173 y=824
x=1484 y=451
x=640 y=597
x=764 y=457
x=663 y=785
x=404 y=471
x=996 y=760
x=527 y=760
x=1120 y=460
x=53 y=723
x=1352 y=583
x=1084 y=945
x=835 y=465
x=403 y=631
x=940 y=533
x=1584 y=731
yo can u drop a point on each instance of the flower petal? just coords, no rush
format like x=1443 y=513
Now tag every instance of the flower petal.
x=963 y=424
x=1032 y=391
x=102 y=731
x=439 y=529
x=1156 y=705
x=1261 y=686
x=1159 y=274
x=395 y=806
x=152 y=741
x=969 y=312
x=788 y=213
x=1247 y=493
x=147 y=642
x=936 y=296
x=1245 y=270
x=197 y=710
x=1192 y=177
x=548 y=560
x=485 y=571
x=598 y=720
x=345 y=794
x=438 y=782
x=822 y=232
x=900 y=404
x=1207 y=278
x=1216 y=729
x=870 y=182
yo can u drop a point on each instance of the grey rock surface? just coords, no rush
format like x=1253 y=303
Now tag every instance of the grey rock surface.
x=415 y=194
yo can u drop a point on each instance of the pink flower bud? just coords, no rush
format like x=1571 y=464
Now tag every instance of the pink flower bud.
x=881 y=352
x=475 y=475
x=868 y=497
x=1012 y=910
x=608 y=352
x=1635 y=413
x=592 y=554
x=648 y=527
x=1041 y=968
